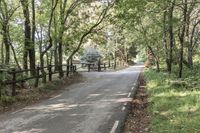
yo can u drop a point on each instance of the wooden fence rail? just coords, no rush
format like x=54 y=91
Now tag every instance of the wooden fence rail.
x=38 y=74
x=99 y=66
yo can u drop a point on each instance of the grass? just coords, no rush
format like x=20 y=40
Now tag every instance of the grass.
x=175 y=103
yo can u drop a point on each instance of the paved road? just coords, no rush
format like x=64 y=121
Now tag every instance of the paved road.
x=97 y=105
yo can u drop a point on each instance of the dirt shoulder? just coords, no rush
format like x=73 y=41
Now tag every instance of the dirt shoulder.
x=138 y=119
x=30 y=96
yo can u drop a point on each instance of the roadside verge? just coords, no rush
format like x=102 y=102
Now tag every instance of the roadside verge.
x=138 y=118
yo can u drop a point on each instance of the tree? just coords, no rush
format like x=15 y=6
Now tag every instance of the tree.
x=173 y=20
x=29 y=49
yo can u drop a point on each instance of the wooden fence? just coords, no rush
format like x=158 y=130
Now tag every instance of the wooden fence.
x=99 y=67
x=13 y=74
x=41 y=72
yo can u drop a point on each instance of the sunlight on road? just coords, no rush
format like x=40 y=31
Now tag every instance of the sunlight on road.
x=90 y=103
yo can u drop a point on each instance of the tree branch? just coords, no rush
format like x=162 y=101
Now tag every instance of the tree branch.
x=99 y=21
x=49 y=27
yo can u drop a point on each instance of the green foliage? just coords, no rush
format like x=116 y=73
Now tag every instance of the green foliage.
x=174 y=104
x=157 y=24
x=6 y=100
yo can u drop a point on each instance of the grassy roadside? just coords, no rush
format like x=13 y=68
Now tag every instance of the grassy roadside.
x=174 y=103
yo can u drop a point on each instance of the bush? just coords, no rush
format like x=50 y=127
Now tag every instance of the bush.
x=7 y=100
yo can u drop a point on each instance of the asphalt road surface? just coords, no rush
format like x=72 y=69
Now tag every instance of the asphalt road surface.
x=98 y=105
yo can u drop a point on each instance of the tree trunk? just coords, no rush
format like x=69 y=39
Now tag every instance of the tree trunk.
x=25 y=59
x=125 y=55
x=155 y=58
x=47 y=59
x=60 y=59
x=115 y=60
x=32 y=48
x=182 y=39
x=2 y=53
x=51 y=58
x=54 y=5
x=171 y=35
x=165 y=41
x=187 y=41
x=109 y=61
x=44 y=80
x=27 y=34
x=7 y=59
x=190 y=57
x=13 y=50
x=181 y=61
x=56 y=57
x=6 y=43
x=55 y=44
x=42 y=63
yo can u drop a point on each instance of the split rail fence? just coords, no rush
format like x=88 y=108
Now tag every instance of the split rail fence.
x=40 y=72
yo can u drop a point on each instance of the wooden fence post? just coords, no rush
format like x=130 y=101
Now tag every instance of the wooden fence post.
x=71 y=68
x=50 y=72
x=37 y=76
x=99 y=65
x=88 y=67
x=115 y=64
x=67 y=74
x=75 y=68
x=109 y=63
x=13 y=82
x=71 y=65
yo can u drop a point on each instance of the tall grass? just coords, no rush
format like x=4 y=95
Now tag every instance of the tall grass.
x=175 y=103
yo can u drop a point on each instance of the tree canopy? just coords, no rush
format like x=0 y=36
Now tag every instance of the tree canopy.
x=34 y=32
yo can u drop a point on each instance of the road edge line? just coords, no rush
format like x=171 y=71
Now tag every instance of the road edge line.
x=114 y=127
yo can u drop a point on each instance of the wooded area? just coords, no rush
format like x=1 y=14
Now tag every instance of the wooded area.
x=169 y=33
x=36 y=35
x=42 y=33
x=41 y=39
x=169 y=29
x=38 y=32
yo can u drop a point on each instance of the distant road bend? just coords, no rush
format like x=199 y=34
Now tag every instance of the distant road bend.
x=97 y=105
